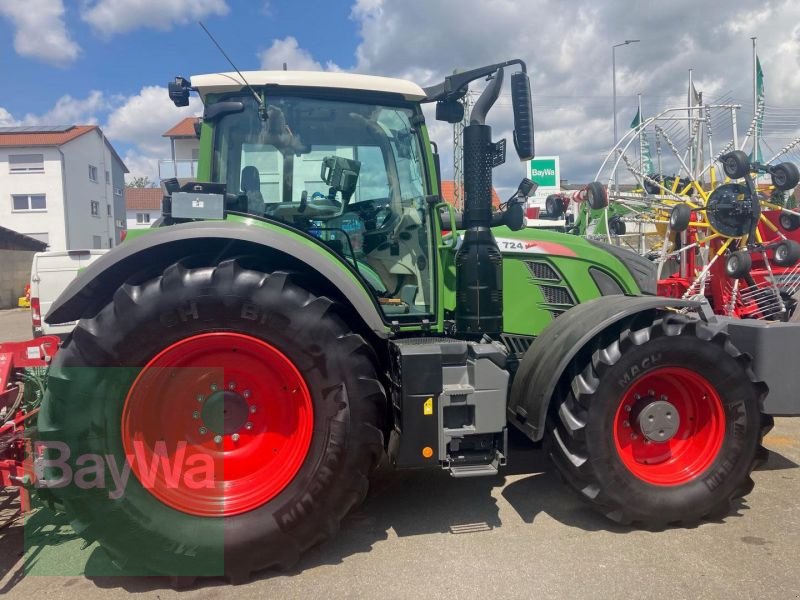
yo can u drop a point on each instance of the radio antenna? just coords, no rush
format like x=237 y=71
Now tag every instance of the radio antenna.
x=262 y=109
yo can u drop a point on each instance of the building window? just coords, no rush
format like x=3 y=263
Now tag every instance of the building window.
x=108 y=209
x=95 y=208
x=142 y=218
x=110 y=243
x=26 y=163
x=97 y=242
x=118 y=191
x=26 y=202
x=108 y=178
x=92 y=173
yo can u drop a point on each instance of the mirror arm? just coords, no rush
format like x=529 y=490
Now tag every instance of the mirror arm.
x=454 y=86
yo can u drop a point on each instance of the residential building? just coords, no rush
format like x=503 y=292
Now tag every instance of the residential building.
x=62 y=185
x=142 y=207
x=185 y=149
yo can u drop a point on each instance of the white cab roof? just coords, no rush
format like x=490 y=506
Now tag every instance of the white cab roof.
x=228 y=82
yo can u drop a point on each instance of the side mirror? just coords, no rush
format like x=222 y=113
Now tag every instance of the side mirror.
x=179 y=91
x=523 y=115
x=450 y=111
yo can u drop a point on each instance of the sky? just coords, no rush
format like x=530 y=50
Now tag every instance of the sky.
x=108 y=61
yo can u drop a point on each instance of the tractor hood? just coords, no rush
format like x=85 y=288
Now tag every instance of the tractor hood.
x=530 y=241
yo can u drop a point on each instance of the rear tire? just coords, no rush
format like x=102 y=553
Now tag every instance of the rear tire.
x=631 y=481
x=785 y=176
x=554 y=206
x=786 y=253
x=86 y=407
x=679 y=217
x=738 y=264
x=789 y=222
x=736 y=164
x=596 y=196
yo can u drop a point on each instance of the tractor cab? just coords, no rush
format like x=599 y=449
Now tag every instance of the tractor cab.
x=343 y=163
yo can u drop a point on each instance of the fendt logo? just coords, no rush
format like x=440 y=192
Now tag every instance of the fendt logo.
x=544 y=171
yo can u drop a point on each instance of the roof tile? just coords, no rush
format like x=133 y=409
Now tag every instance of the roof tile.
x=143 y=199
x=183 y=129
x=44 y=138
x=449 y=195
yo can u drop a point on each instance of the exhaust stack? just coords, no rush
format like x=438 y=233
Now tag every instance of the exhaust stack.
x=479 y=264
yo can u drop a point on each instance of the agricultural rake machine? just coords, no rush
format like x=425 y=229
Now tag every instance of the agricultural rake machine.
x=712 y=228
x=298 y=313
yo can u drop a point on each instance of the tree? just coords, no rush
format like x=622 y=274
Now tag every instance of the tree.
x=140 y=182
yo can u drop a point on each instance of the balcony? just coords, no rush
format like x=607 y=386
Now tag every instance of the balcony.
x=177 y=168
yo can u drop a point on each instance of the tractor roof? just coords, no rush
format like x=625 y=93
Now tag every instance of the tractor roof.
x=228 y=82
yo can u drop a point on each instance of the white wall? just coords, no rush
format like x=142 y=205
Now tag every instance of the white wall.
x=51 y=220
x=184 y=147
x=131 y=218
x=82 y=226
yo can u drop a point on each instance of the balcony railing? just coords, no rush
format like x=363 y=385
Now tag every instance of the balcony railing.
x=177 y=168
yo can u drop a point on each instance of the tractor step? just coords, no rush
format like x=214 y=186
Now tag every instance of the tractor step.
x=472 y=465
x=473 y=471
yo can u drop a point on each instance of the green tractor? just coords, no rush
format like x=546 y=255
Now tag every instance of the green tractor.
x=309 y=305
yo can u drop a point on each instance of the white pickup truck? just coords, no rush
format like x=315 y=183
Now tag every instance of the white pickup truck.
x=51 y=272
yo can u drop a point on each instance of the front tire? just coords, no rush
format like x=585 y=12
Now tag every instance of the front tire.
x=198 y=356
x=662 y=426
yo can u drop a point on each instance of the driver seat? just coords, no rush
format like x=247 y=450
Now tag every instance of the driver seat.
x=251 y=186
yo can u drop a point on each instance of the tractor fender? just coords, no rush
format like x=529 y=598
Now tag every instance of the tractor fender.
x=551 y=352
x=95 y=286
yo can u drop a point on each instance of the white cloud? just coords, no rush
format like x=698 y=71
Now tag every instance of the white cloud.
x=143 y=118
x=141 y=165
x=66 y=111
x=40 y=30
x=109 y=17
x=287 y=51
x=71 y=111
x=140 y=122
x=7 y=119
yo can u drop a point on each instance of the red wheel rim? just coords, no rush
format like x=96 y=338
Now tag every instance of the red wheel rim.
x=697 y=440
x=226 y=420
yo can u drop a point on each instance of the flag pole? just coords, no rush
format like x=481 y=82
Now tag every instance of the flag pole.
x=690 y=102
x=641 y=129
x=755 y=100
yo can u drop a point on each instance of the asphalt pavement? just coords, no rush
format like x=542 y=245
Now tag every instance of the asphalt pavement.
x=15 y=324
x=424 y=534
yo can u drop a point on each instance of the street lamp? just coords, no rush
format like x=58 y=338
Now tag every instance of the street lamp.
x=614 y=94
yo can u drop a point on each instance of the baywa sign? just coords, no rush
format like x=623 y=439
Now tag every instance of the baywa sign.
x=545 y=170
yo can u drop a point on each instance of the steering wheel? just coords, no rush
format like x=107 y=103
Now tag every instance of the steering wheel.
x=318 y=207
x=376 y=214
x=321 y=202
